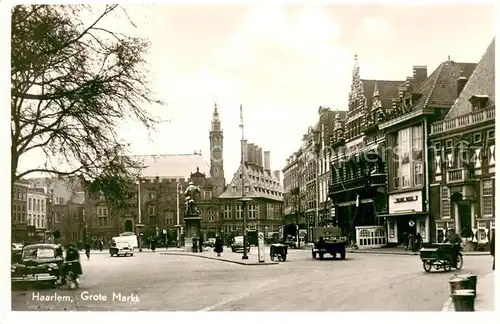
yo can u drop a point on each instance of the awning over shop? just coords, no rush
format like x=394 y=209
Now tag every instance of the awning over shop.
x=408 y=213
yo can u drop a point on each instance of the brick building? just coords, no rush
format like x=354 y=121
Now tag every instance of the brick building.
x=163 y=179
x=19 y=224
x=462 y=158
x=69 y=218
x=307 y=173
x=358 y=182
x=38 y=211
x=407 y=127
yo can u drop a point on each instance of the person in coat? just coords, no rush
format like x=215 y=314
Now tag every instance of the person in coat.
x=200 y=243
x=195 y=245
x=153 y=245
x=418 y=242
x=218 y=248
x=492 y=247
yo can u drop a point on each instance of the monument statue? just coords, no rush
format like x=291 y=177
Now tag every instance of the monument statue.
x=190 y=203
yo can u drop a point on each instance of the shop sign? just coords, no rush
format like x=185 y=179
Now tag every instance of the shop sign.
x=405 y=202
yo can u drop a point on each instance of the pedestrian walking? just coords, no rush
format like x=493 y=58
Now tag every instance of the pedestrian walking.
x=411 y=242
x=101 y=245
x=195 y=245
x=492 y=247
x=200 y=243
x=406 y=240
x=87 y=250
x=153 y=245
x=418 y=242
x=218 y=248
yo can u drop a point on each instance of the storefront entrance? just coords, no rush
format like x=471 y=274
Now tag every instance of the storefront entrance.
x=406 y=226
x=464 y=216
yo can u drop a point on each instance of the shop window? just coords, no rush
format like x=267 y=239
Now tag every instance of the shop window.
x=487 y=198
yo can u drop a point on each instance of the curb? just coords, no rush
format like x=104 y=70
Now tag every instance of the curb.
x=410 y=253
x=381 y=252
x=217 y=259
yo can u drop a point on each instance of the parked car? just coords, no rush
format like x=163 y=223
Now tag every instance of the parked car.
x=39 y=263
x=121 y=248
x=210 y=242
x=237 y=245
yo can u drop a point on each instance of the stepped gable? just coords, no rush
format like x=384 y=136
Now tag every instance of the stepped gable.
x=481 y=83
x=171 y=165
x=384 y=89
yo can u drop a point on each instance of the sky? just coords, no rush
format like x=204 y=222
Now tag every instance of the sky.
x=281 y=62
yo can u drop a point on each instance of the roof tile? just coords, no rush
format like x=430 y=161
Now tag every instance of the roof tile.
x=481 y=82
x=440 y=88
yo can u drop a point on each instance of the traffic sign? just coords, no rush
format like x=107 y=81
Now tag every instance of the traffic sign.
x=261 y=236
x=411 y=223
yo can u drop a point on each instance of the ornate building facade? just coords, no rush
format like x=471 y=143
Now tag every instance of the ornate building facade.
x=359 y=176
x=307 y=174
x=462 y=158
x=262 y=187
x=420 y=101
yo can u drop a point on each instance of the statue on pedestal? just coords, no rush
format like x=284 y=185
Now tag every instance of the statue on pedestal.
x=190 y=203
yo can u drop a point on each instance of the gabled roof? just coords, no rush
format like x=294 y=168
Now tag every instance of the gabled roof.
x=386 y=89
x=440 y=88
x=481 y=83
x=260 y=183
x=171 y=165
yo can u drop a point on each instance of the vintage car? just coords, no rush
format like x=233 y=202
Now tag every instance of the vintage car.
x=237 y=244
x=40 y=263
x=210 y=242
x=121 y=248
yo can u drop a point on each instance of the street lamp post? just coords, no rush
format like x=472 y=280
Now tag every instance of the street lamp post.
x=179 y=188
x=139 y=211
x=243 y=192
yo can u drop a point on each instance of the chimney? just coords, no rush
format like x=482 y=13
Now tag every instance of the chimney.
x=267 y=161
x=461 y=82
x=419 y=74
x=256 y=154
x=261 y=160
x=251 y=156
x=277 y=175
x=245 y=151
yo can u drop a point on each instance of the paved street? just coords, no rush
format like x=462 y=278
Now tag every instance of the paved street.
x=179 y=283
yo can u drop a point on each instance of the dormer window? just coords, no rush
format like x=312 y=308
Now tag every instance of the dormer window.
x=478 y=102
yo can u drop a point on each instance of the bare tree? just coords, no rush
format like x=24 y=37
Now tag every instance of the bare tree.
x=71 y=85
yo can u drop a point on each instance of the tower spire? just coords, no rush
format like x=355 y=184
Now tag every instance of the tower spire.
x=215 y=115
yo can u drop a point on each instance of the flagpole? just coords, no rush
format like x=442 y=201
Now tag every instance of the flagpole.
x=243 y=193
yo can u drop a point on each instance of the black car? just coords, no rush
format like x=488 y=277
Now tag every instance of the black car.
x=40 y=263
x=209 y=243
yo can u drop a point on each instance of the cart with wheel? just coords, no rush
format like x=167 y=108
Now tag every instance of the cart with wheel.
x=278 y=251
x=441 y=256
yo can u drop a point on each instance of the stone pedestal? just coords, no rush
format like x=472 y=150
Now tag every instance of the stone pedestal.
x=192 y=224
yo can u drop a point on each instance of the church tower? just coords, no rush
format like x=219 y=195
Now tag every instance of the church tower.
x=216 y=154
